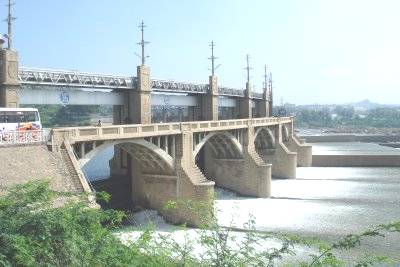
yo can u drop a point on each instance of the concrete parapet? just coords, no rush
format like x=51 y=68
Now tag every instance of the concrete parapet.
x=304 y=151
x=284 y=162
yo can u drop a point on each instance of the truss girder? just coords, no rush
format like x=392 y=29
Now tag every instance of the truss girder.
x=73 y=79
x=62 y=78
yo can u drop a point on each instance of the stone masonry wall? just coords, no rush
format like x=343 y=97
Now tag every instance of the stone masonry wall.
x=20 y=164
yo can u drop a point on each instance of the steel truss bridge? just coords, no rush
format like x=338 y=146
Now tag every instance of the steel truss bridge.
x=75 y=79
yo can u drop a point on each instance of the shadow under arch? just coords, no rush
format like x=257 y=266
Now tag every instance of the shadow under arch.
x=264 y=138
x=222 y=143
x=152 y=150
x=131 y=184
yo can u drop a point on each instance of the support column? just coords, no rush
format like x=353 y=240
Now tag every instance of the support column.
x=194 y=191
x=246 y=103
x=264 y=105
x=136 y=110
x=210 y=101
x=9 y=84
x=139 y=106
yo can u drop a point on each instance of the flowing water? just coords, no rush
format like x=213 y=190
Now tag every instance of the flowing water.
x=324 y=202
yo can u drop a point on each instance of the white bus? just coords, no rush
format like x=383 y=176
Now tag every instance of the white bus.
x=19 y=119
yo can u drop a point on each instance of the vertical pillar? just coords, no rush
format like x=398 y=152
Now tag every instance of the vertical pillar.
x=210 y=101
x=9 y=84
x=246 y=103
x=264 y=105
x=139 y=107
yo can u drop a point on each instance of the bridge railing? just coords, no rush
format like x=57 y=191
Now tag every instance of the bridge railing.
x=140 y=130
x=22 y=137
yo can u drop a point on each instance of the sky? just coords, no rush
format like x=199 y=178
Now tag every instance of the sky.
x=319 y=51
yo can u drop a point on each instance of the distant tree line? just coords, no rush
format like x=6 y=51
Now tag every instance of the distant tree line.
x=346 y=116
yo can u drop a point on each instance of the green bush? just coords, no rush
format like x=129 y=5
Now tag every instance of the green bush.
x=33 y=232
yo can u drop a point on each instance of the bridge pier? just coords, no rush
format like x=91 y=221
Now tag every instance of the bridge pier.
x=264 y=105
x=209 y=101
x=248 y=175
x=304 y=151
x=136 y=110
x=183 y=185
x=139 y=109
x=137 y=105
x=192 y=187
x=245 y=104
x=152 y=189
x=9 y=83
x=284 y=161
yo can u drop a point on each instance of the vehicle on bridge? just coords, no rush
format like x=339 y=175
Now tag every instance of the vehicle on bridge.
x=20 y=126
x=19 y=119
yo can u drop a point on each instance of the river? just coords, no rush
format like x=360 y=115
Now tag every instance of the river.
x=324 y=202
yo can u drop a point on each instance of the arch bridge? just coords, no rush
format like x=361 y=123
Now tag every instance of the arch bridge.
x=176 y=161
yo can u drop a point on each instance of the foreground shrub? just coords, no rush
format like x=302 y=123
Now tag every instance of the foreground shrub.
x=33 y=232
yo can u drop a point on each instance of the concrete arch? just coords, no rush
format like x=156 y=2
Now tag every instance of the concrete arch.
x=268 y=135
x=158 y=152
x=232 y=139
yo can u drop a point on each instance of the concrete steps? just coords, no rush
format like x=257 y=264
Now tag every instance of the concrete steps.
x=196 y=176
x=256 y=157
x=69 y=171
